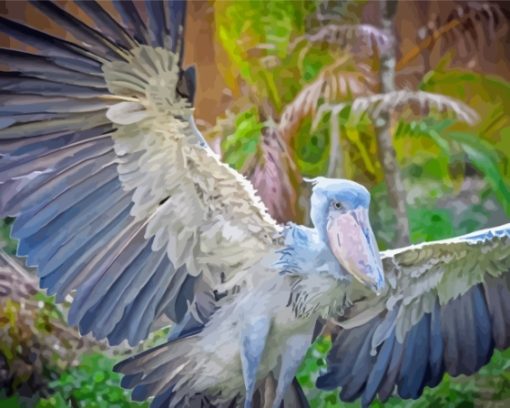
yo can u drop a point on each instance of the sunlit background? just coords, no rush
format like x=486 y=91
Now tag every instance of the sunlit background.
x=289 y=90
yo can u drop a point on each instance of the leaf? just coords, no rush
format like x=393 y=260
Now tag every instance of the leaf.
x=429 y=224
x=6 y=242
x=483 y=157
x=335 y=82
x=310 y=149
x=374 y=105
x=240 y=146
x=426 y=128
x=271 y=177
x=465 y=27
x=489 y=95
x=256 y=35
x=365 y=37
x=225 y=125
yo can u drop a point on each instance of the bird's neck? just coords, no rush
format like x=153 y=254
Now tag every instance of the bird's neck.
x=318 y=283
x=306 y=252
x=319 y=217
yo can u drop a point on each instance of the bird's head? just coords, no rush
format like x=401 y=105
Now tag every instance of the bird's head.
x=339 y=212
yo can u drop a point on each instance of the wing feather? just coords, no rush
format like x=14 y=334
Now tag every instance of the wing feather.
x=64 y=53
x=445 y=310
x=48 y=68
x=33 y=129
x=63 y=181
x=25 y=84
x=132 y=20
x=160 y=33
x=146 y=300
x=73 y=224
x=99 y=151
x=95 y=41
x=43 y=213
x=107 y=23
x=108 y=311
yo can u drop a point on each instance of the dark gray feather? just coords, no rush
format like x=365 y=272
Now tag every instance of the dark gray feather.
x=132 y=20
x=68 y=271
x=107 y=24
x=30 y=222
x=135 y=276
x=157 y=24
x=49 y=68
x=13 y=104
x=81 y=122
x=24 y=84
x=68 y=54
x=91 y=39
x=44 y=188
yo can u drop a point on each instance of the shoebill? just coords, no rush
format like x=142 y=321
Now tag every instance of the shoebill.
x=120 y=204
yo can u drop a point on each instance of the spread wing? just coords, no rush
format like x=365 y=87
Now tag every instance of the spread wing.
x=446 y=308
x=115 y=194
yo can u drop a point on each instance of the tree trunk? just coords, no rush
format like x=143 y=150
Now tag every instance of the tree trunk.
x=382 y=123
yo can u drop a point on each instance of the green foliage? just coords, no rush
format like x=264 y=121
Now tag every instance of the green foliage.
x=35 y=342
x=240 y=147
x=486 y=146
x=428 y=148
x=10 y=402
x=256 y=36
x=311 y=150
x=314 y=362
x=430 y=224
x=5 y=240
x=92 y=384
x=483 y=157
x=453 y=149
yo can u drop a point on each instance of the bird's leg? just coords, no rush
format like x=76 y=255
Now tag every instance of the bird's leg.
x=269 y=390
x=294 y=351
x=253 y=341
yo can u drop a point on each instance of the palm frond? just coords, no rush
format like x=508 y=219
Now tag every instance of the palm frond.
x=334 y=11
x=374 y=105
x=364 y=38
x=347 y=34
x=466 y=27
x=271 y=176
x=335 y=83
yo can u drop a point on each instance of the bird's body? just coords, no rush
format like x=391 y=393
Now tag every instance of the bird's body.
x=218 y=358
x=282 y=294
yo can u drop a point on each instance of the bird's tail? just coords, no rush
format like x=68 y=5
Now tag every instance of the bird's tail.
x=295 y=397
x=166 y=373
x=161 y=372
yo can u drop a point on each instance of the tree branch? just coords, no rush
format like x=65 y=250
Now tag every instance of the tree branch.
x=382 y=123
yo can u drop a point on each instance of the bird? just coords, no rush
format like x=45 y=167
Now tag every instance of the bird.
x=122 y=207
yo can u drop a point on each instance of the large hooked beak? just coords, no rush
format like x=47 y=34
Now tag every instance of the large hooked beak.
x=353 y=243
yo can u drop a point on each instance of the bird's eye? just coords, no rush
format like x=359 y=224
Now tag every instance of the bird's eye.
x=337 y=205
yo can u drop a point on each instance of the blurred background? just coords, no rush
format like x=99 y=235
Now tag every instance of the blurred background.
x=409 y=98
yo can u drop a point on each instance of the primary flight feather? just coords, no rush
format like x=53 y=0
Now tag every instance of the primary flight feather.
x=120 y=203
